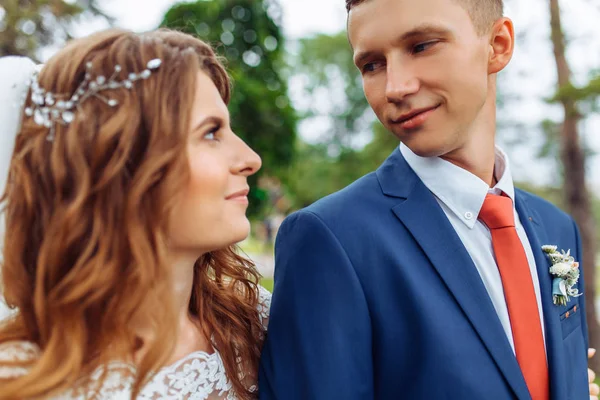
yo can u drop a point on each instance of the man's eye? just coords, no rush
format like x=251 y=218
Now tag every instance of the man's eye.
x=370 y=67
x=421 y=47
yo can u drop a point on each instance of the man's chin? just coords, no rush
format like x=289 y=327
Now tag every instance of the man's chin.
x=426 y=149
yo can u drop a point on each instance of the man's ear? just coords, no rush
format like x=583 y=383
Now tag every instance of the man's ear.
x=502 y=45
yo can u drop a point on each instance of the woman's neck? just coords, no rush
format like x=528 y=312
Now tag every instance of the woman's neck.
x=190 y=336
x=182 y=268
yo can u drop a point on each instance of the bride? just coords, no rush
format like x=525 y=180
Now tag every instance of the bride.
x=126 y=191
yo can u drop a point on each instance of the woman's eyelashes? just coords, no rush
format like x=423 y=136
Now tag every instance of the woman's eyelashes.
x=212 y=134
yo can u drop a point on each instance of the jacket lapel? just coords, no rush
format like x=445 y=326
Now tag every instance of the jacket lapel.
x=536 y=234
x=423 y=217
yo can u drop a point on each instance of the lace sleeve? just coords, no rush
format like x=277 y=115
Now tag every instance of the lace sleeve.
x=113 y=381
x=13 y=355
x=264 y=305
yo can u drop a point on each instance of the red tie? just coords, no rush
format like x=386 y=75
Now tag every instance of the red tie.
x=497 y=214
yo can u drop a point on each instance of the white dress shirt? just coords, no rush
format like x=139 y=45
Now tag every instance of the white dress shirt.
x=461 y=195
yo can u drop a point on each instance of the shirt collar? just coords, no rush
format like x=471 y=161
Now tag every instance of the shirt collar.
x=461 y=191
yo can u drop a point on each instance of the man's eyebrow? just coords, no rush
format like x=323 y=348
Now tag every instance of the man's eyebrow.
x=425 y=29
x=360 y=57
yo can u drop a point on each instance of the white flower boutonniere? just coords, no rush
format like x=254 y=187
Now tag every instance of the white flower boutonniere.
x=566 y=274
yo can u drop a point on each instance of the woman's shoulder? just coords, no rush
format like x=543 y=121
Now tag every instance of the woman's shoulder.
x=116 y=377
x=19 y=350
x=15 y=356
x=264 y=305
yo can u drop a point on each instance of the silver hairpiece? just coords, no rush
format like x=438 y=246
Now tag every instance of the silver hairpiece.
x=49 y=108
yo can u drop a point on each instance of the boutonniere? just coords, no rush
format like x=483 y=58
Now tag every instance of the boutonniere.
x=566 y=274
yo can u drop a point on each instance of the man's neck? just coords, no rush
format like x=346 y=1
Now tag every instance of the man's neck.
x=477 y=158
x=478 y=154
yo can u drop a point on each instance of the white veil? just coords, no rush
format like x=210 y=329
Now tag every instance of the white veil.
x=15 y=75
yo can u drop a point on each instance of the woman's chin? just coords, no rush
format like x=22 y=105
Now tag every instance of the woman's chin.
x=241 y=231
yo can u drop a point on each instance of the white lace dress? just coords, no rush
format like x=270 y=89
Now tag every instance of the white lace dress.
x=198 y=376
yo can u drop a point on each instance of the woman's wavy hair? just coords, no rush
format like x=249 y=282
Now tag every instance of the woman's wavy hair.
x=86 y=216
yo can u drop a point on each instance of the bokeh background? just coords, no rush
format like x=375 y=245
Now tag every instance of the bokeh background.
x=298 y=98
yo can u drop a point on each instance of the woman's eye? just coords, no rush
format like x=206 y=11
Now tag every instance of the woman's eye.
x=212 y=134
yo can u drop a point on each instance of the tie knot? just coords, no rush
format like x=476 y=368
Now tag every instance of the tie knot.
x=497 y=212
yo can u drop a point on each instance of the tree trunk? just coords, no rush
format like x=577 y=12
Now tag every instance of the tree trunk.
x=577 y=199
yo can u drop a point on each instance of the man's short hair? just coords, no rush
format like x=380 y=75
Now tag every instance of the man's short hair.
x=483 y=12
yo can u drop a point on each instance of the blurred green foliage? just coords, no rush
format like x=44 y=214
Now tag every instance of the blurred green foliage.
x=28 y=26
x=316 y=173
x=326 y=63
x=267 y=283
x=587 y=93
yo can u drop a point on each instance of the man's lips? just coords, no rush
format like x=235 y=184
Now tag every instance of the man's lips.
x=413 y=114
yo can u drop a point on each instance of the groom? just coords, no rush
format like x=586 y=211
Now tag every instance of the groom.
x=426 y=279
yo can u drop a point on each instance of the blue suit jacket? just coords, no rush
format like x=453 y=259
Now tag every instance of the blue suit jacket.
x=376 y=297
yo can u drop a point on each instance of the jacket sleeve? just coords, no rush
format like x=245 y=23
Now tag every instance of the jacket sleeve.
x=318 y=344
